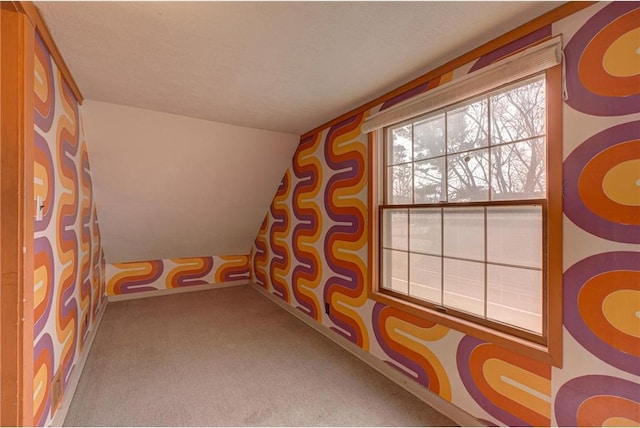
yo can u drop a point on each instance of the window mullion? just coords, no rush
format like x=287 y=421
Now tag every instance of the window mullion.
x=445 y=173
x=413 y=201
x=442 y=256
x=413 y=169
x=409 y=251
x=385 y=166
x=514 y=157
x=486 y=285
x=444 y=198
x=490 y=148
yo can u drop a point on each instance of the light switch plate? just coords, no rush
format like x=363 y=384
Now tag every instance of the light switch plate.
x=39 y=208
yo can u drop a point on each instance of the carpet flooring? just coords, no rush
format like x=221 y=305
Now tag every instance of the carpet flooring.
x=230 y=357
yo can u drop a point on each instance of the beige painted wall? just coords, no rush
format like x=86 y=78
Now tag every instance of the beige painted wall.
x=168 y=186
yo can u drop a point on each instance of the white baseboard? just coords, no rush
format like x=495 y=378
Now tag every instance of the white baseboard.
x=440 y=404
x=166 y=291
x=61 y=414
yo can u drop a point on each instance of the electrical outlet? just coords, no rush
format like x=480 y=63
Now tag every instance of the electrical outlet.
x=327 y=308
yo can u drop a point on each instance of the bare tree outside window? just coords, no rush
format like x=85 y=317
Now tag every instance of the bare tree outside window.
x=518 y=122
x=488 y=149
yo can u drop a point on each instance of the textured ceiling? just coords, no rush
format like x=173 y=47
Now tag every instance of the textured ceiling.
x=283 y=66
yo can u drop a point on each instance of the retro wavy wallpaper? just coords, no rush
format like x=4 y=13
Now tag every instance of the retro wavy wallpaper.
x=69 y=286
x=312 y=247
x=152 y=275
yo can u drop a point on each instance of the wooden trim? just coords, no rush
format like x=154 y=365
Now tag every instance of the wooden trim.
x=384 y=137
x=16 y=218
x=27 y=217
x=32 y=12
x=481 y=322
x=475 y=204
x=372 y=191
x=28 y=225
x=451 y=311
x=546 y=348
x=554 y=214
x=532 y=350
x=548 y=18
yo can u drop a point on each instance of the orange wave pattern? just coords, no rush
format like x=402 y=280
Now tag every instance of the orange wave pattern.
x=44 y=87
x=67 y=236
x=251 y=261
x=345 y=243
x=133 y=277
x=97 y=261
x=522 y=399
x=43 y=374
x=598 y=401
x=404 y=338
x=512 y=388
x=232 y=268
x=153 y=275
x=261 y=255
x=189 y=271
x=68 y=262
x=86 y=211
x=280 y=228
x=499 y=386
x=307 y=274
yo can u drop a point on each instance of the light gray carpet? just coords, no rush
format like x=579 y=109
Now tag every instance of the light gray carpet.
x=230 y=357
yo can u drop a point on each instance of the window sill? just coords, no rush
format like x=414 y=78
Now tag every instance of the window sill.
x=545 y=354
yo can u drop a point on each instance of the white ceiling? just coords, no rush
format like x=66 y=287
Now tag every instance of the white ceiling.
x=282 y=66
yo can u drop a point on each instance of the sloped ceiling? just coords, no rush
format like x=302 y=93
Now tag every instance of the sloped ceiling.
x=170 y=184
x=283 y=66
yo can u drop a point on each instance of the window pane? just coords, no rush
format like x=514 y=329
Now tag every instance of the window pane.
x=518 y=170
x=514 y=235
x=429 y=181
x=464 y=286
x=467 y=127
x=484 y=260
x=400 y=184
x=399 y=151
x=467 y=176
x=464 y=233
x=426 y=278
x=426 y=233
x=395 y=228
x=428 y=137
x=514 y=296
x=518 y=113
x=395 y=267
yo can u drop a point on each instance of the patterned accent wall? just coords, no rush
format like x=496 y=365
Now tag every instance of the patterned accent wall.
x=153 y=275
x=312 y=247
x=69 y=286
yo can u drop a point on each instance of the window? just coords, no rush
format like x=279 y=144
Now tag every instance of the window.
x=469 y=205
